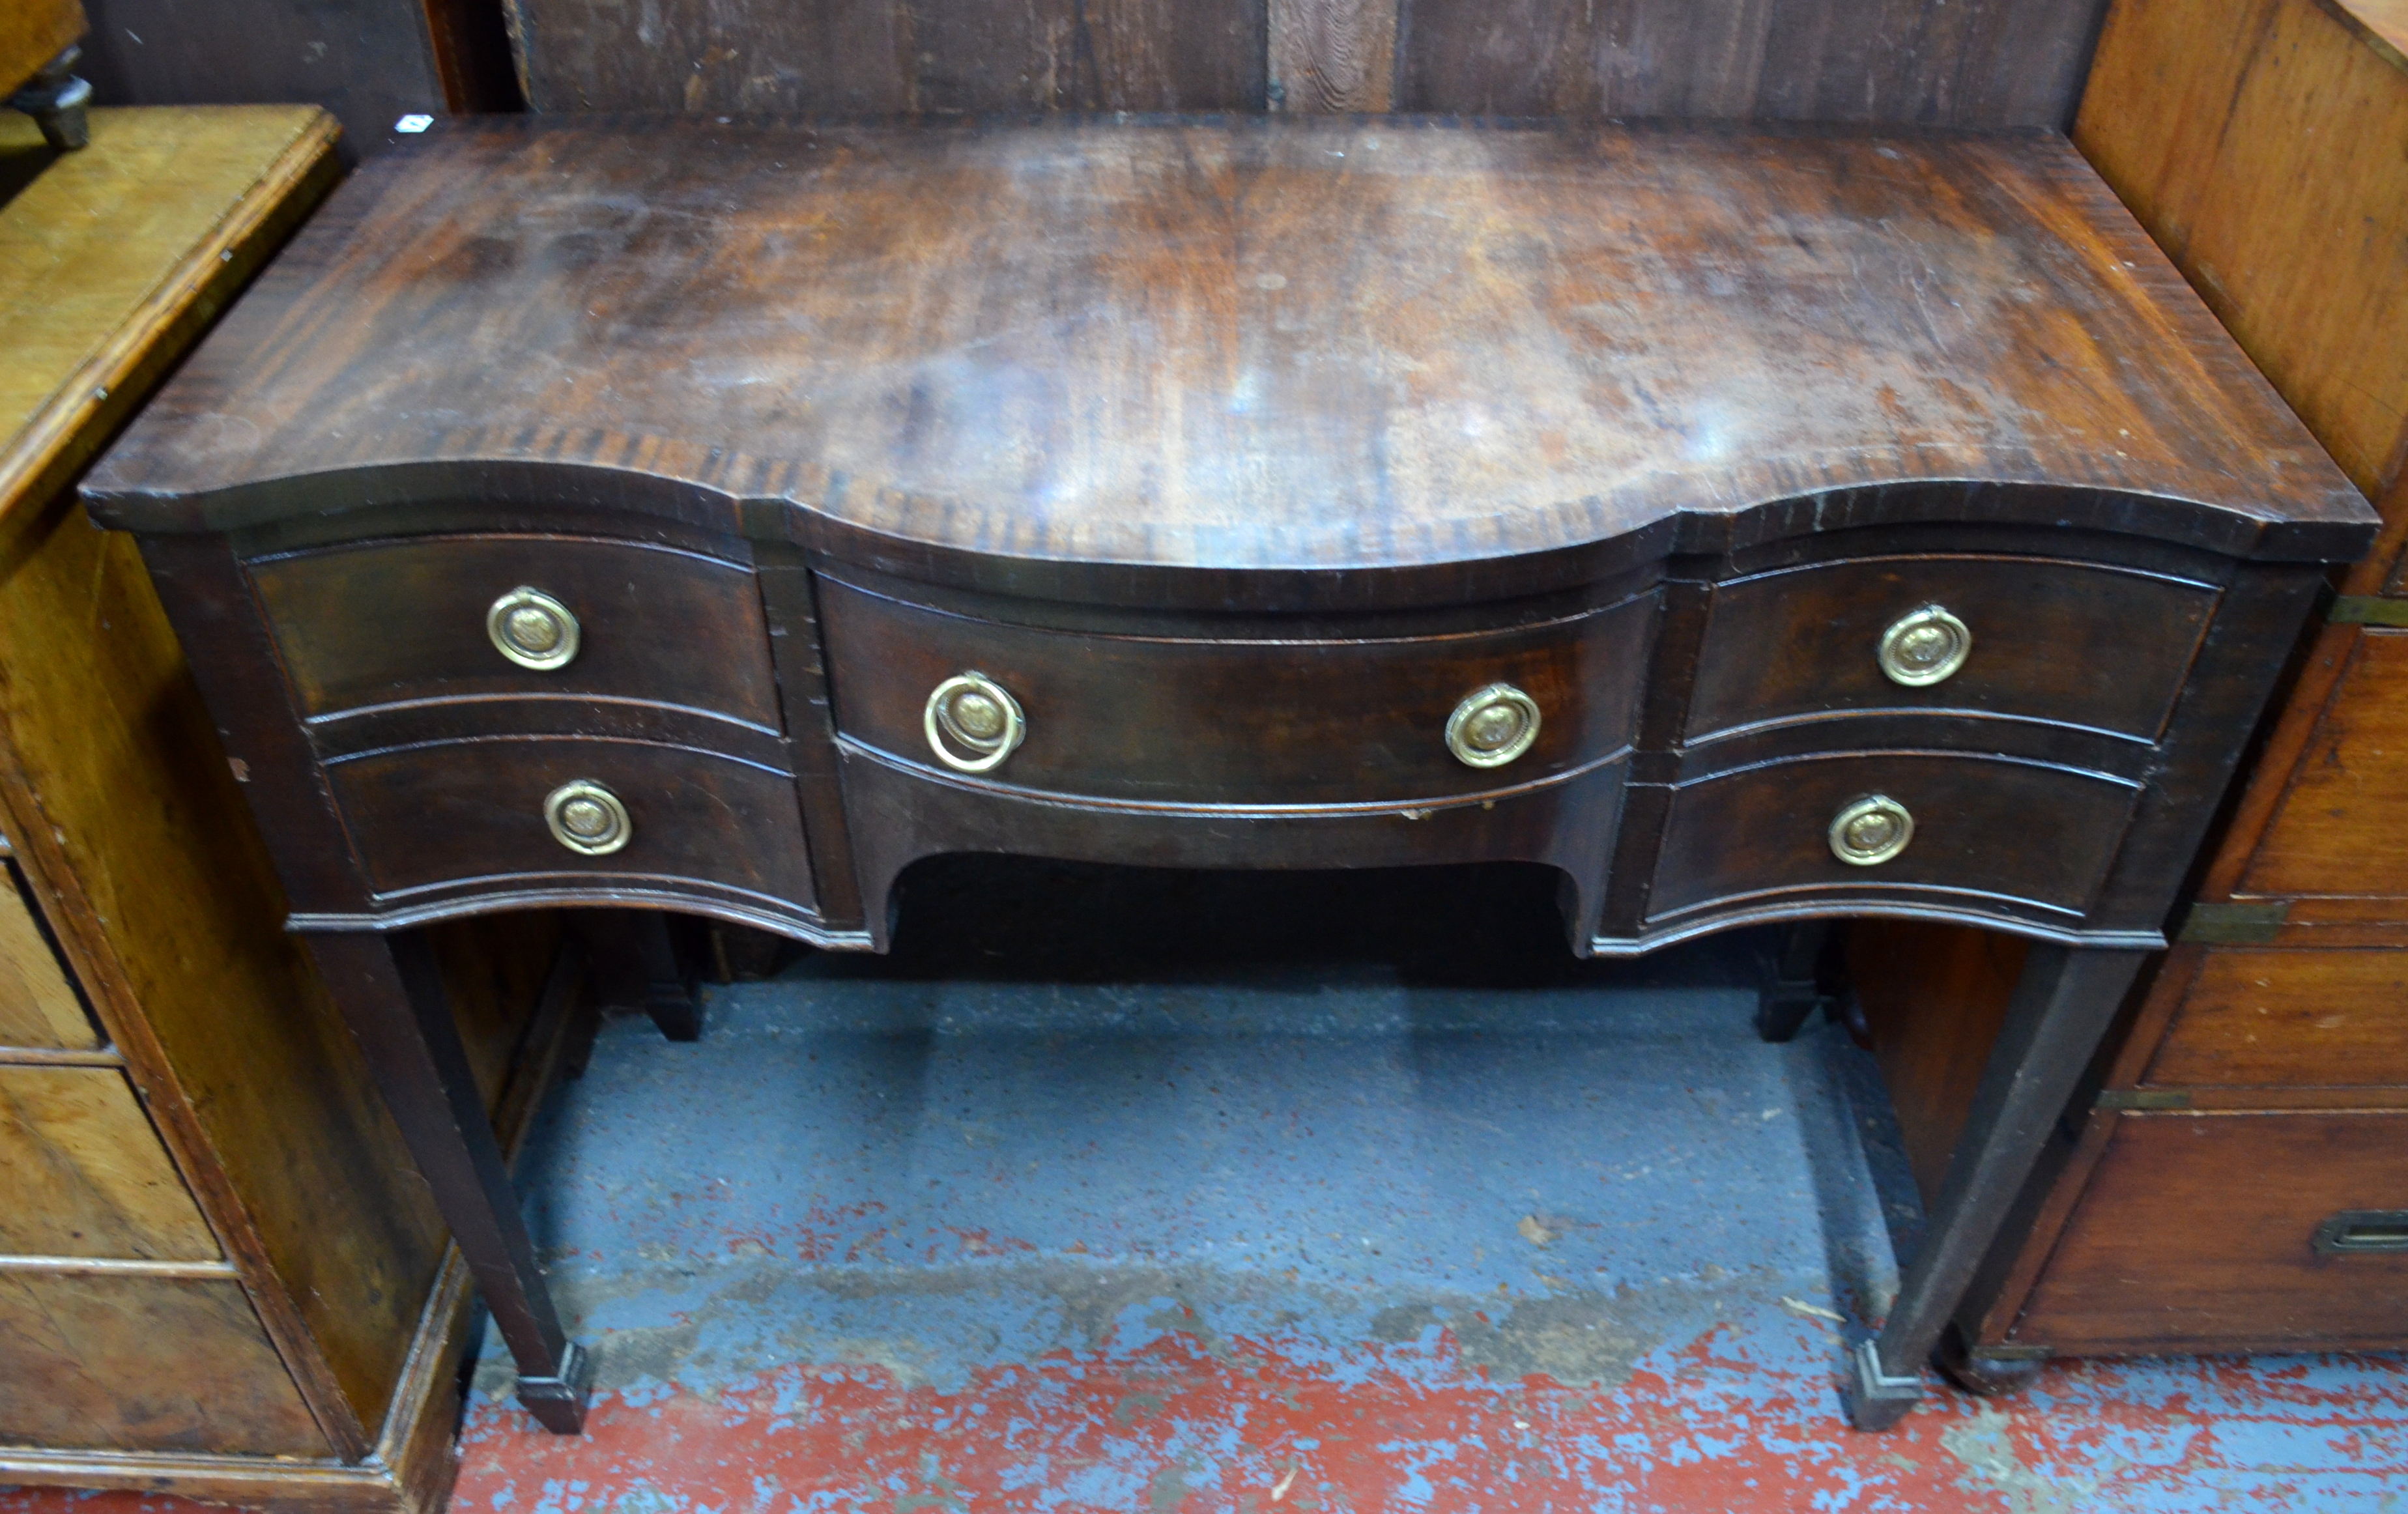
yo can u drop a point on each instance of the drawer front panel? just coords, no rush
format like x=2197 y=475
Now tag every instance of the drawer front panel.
x=2338 y=830
x=2050 y=640
x=470 y=811
x=391 y=622
x=1982 y=828
x=2323 y=1018
x=39 y=1007
x=2200 y=1231
x=83 y=1174
x=144 y=1364
x=1239 y=722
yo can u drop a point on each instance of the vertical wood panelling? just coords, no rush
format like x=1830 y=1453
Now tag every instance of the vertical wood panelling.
x=1973 y=63
x=1977 y=62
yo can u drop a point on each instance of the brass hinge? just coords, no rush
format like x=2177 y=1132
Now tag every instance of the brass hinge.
x=2251 y=923
x=2368 y=610
x=2143 y=1098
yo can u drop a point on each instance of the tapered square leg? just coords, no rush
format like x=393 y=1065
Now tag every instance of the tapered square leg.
x=639 y=964
x=2062 y=1004
x=392 y=996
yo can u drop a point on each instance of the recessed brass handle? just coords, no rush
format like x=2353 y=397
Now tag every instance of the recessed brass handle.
x=1492 y=726
x=532 y=629
x=587 y=818
x=1870 y=831
x=972 y=722
x=1925 y=647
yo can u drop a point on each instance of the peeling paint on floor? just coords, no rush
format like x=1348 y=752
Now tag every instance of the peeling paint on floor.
x=962 y=1232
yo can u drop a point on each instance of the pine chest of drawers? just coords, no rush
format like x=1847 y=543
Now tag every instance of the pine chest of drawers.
x=720 y=516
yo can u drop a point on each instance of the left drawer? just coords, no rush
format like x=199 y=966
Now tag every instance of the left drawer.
x=431 y=618
x=501 y=813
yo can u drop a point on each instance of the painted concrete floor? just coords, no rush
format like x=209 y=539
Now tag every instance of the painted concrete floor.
x=1168 y=1193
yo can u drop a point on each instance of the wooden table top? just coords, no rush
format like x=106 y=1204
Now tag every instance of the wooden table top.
x=1259 y=345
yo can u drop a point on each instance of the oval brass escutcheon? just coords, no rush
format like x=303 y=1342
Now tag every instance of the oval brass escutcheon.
x=587 y=818
x=1925 y=647
x=1492 y=726
x=532 y=629
x=1870 y=830
x=972 y=722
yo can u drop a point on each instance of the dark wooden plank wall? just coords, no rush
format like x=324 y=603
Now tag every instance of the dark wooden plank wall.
x=1954 y=63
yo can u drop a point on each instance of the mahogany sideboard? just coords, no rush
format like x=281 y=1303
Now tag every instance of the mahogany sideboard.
x=719 y=516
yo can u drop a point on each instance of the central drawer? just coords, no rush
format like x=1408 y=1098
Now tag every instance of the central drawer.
x=1314 y=722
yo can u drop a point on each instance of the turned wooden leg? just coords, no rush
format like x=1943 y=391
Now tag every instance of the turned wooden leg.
x=1792 y=987
x=392 y=995
x=637 y=964
x=2062 y=1004
x=56 y=100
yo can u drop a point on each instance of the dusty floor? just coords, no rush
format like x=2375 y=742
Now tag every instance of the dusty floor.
x=1109 y=1192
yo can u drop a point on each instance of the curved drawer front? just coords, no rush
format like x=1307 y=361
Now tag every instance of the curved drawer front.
x=1202 y=723
x=2097 y=647
x=1982 y=828
x=387 y=623
x=464 y=815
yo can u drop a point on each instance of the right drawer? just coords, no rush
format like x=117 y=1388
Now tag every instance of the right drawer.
x=1985 y=829
x=2101 y=647
x=2233 y=1230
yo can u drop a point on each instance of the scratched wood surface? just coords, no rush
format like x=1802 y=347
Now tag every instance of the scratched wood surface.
x=1275 y=346
x=1969 y=62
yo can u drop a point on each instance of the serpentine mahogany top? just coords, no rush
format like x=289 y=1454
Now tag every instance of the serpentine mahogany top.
x=1277 y=349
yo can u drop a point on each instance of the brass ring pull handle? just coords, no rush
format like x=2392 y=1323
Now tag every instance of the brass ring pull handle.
x=1492 y=726
x=532 y=629
x=1870 y=831
x=1925 y=647
x=587 y=818
x=972 y=723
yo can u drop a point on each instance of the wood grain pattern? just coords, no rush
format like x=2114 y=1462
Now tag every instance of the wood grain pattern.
x=39 y=1007
x=32 y=32
x=144 y=1364
x=82 y=1173
x=2259 y=141
x=1332 y=55
x=2347 y=802
x=2210 y=1218
x=1978 y=63
x=1130 y=347
x=2289 y=1019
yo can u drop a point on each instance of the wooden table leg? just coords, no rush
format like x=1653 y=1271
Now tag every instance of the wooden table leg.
x=2062 y=1004
x=1791 y=987
x=392 y=995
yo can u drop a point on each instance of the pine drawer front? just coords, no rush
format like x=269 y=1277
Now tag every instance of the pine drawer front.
x=2099 y=647
x=39 y=1007
x=1980 y=833
x=82 y=1173
x=2314 y=1018
x=118 y=1363
x=1190 y=721
x=517 y=616
x=2234 y=1231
